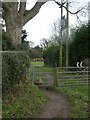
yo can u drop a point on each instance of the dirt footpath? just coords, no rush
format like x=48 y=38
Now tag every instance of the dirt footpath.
x=57 y=106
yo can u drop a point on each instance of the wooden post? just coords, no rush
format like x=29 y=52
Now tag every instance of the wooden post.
x=55 y=81
x=60 y=57
x=33 y=74
x=67 y=35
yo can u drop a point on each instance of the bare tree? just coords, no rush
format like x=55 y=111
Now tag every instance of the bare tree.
x=56 y=32
x=82 y=11
x=44 y=42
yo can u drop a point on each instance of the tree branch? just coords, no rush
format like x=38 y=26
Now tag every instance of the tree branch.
x=78 y=18
x=6 y=9
x=31 y=13
x=62 y=5
x=22 y=7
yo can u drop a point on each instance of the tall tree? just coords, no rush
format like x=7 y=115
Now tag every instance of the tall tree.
x=79 y=48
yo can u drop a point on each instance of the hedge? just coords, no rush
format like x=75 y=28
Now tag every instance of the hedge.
x=14 y=65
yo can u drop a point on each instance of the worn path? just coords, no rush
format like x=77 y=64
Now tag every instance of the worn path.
x=57 y=106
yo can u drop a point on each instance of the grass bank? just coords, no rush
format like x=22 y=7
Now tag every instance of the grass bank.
x=24 y=101
x=78 y=98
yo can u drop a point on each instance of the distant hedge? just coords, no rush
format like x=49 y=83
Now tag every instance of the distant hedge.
x=51 y=56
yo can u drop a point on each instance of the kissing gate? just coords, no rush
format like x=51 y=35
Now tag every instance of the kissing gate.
x=41 y=75
x=59 y=76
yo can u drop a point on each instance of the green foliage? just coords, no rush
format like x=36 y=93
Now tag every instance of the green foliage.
x=7 y=43
x=36 y=52
x=15 y=62
x=79 y=47
x=24 y=46
x=14 y=65
x=51 y=56
x=24 y=101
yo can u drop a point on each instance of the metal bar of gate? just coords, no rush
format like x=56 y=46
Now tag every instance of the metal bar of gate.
x=33 y=74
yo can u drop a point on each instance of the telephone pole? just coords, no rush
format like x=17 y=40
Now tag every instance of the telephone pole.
x=67 y=34
x=61 y=38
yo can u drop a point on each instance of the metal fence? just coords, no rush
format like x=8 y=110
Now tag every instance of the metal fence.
x=72 y=76
x=41 y=75
x=59 y=76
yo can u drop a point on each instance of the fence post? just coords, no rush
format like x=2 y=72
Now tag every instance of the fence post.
x=33 y=74
x=55 y=81
x=38 y=73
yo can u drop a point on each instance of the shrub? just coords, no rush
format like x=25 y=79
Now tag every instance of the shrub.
x=14 y=67
x=51 y=56
x=15 y=62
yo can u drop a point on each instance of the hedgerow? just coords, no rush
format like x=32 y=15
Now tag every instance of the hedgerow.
x=15 y=63
x=14 y=67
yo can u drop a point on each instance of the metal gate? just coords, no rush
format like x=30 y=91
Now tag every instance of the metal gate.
x=41 y=75
x=72 y=76
x=59 y=76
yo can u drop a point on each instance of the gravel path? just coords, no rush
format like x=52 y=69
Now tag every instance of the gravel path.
x=57 y=106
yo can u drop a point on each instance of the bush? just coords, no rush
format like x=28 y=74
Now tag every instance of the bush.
x=14 y=67
x=15 y=62
x=51 y=56
x=7 y=44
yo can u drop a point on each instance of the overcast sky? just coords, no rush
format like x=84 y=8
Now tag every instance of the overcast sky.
x=40 y=26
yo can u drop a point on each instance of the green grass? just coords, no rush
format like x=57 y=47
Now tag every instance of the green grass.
x=78 y=99
x=24 y=101
x=37 y=63
x=42 y=67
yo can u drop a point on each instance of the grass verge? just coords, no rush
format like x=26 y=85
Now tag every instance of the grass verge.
x=24 y=101
x=78 y=99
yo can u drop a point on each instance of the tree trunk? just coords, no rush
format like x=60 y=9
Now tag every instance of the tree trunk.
x=14 y=31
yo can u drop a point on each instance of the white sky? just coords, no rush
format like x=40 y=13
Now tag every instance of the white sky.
x=39 y=27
